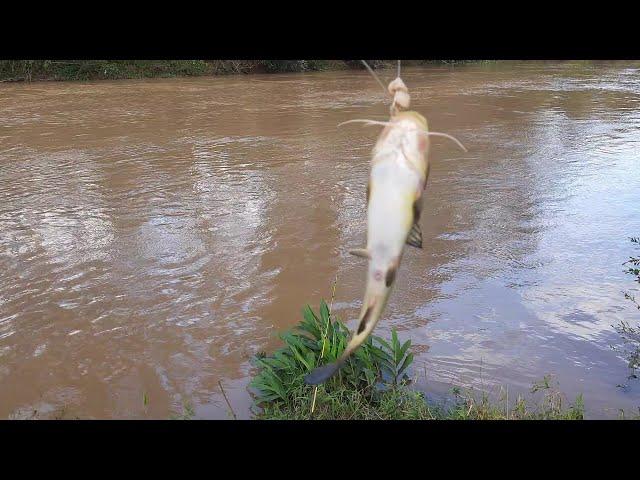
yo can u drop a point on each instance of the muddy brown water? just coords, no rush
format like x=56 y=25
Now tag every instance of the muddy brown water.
x=156 y=234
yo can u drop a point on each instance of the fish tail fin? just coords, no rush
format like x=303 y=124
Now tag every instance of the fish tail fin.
x=322 y=374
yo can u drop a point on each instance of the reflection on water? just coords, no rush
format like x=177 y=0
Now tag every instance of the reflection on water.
x=156 y=234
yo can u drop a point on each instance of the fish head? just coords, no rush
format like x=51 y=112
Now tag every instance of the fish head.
x=418 y=119
x=407 y=132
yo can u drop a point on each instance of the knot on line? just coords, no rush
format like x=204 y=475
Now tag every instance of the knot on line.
x=400 y=94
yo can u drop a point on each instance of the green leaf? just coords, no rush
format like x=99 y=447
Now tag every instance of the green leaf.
x=396 y=346
x=291 y=339
x=407 y=361
x=311 y=322
x=324 y=313
x=311 y=360
x=268 y=398
x=389 y=371
x=275 y=363
x=277 y=387
x=390 y=367
x=284 y=359
x=382 y=356
x=384 y=343
x=404 y=348
x=301 y=358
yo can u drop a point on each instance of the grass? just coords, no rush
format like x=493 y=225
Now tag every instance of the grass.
x=187 y=413
x=374 y=383
x=552 y=406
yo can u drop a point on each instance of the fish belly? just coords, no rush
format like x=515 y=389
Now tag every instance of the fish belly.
x=390 y=211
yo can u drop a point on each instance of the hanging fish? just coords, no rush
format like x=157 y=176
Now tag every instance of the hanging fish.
x=399 y=172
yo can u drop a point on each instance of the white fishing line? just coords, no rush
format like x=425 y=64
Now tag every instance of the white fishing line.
x=376 y=77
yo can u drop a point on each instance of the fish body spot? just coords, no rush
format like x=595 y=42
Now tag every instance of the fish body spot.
x=391 y=276
x=363 y=322
x=422 y=143
x=417 y=210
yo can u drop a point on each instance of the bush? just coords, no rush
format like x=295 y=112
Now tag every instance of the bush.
x=28 y=70
x=631 y=334
x=373 y=375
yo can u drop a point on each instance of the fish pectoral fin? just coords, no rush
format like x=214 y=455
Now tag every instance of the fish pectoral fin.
x=361 y=252
x=415 y=236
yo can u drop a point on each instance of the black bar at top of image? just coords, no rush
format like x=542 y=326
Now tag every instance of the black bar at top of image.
x=459 y=34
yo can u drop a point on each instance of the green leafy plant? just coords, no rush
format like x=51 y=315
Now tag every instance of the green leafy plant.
x=633 y=269
x=631 y=334
x=317 y=340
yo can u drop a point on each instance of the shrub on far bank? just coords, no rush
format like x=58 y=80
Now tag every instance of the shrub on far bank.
x=33 y=70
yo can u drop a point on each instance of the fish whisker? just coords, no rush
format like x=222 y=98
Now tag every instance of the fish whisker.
x=425 y=132
x=450 y=137
x=366 y=122
x=376 y=77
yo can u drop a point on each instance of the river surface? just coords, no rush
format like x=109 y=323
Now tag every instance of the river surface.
x=155 y=234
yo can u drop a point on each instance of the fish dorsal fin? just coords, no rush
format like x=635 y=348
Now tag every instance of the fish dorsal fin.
x=415 y=236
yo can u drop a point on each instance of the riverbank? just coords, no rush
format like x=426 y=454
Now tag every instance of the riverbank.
x=69 y=70
x=403 y=403
x=374 y=384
